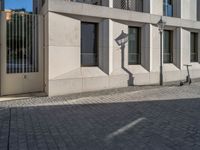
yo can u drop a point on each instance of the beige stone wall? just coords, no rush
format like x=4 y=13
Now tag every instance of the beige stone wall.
x=64 y=73
x=189 y=9
x=156 y=7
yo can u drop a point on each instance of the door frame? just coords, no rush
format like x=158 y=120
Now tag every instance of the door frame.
x=3 y=51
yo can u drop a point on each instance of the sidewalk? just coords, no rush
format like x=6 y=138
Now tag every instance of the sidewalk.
x=136 y=93
x=166 y=118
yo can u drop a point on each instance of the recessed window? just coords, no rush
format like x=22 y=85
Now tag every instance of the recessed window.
x=168 y=46
x=194 y=47
x=89 y=55
x=198 y=10
x=168 y=8
x=134 y=46
x=43 y=1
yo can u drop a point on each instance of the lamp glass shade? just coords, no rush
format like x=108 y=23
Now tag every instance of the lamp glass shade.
x=161 y=24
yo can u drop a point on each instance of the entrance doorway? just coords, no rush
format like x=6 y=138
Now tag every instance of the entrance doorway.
x=21 y=53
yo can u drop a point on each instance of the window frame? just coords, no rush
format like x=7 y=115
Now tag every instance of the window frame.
x=165 y=8
x=139 y=40
x=96 y=44
x=171 y=46
x=195 y=45
x=43 y=2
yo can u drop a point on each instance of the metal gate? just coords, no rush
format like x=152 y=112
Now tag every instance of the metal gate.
x=21 y=53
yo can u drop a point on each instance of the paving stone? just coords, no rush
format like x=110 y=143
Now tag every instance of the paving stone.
x=151 y=118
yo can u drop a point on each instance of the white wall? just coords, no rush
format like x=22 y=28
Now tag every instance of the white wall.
x=186 y=9
x=189 y=9
x=65 y=75
x=177 y=47
x=118 y=28
x=155 y=39
x=185 y=46
x=157 y=7
x=105 y=46
x=64 y=44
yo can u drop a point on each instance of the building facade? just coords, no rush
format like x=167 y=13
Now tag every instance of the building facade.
x=100 y=44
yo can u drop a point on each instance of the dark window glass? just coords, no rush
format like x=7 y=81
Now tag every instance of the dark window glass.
x=89 y=44
x=134 y=47
x=168 y=46
x=194 y=47
x=36 y=10
x=43 y=1
x=168 y=8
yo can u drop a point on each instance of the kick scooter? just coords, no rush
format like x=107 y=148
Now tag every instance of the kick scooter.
x=188 y=78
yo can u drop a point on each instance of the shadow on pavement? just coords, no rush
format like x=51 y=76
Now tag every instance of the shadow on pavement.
x=150 y=125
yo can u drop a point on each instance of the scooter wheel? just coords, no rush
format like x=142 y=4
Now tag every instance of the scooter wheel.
x=190 y=81
x=181 y=83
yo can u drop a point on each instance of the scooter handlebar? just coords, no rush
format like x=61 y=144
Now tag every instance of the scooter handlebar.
x=188 y=65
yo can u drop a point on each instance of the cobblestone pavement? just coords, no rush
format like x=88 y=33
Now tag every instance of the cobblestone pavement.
x=153 y=118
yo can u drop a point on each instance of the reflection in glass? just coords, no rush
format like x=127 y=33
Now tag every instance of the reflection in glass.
x=168 y=46
x=134 y=46
x=88 y=44
x=194 y=47
x=168 y=8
